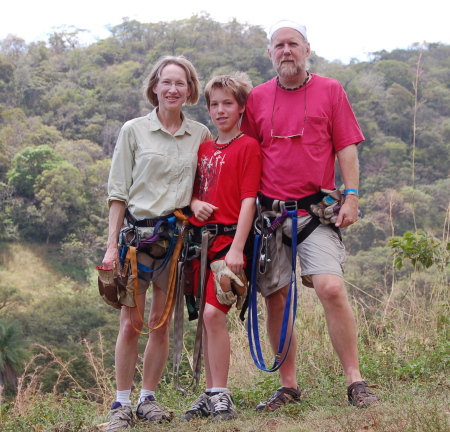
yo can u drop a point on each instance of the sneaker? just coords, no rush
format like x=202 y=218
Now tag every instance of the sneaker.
x=120 y=417
x=223 y=406
x=150 y=410
x=283 y=396
x=360 y=396
x=201 y=407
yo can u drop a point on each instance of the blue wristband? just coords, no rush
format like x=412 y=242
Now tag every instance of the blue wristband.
x=350 y=192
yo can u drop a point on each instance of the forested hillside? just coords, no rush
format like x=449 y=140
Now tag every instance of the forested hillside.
x=62 y=105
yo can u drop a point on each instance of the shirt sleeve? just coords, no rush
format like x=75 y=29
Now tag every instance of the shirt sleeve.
x=346 y=130
x=251 y=170
x=120 y=175
x=248 y=125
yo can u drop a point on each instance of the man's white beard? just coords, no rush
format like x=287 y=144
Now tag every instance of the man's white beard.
x=288 y=69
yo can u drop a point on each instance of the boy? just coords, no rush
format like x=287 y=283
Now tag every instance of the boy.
x=227 y=182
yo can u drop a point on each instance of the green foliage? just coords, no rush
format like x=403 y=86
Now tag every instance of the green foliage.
x=13 y=353
x=62 y=105
x=65 y=319
x=363 y=235
x=422 y=249
x=395 y=72
x=418 y=360
x=61 y=204
x=71 y=413
x=28 y=165
x=10 y=296
x=74 y=99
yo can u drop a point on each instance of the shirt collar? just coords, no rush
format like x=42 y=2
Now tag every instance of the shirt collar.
x=155 y=124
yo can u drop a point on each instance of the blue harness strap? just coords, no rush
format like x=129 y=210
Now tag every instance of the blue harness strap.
x=290 y=307
x=171 y=222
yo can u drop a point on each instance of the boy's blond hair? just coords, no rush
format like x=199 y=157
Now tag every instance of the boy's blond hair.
x=238 y=84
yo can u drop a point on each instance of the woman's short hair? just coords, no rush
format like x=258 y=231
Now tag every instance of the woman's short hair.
x=155 y=75
x=238 y=84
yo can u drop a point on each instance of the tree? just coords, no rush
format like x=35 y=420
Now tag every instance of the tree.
x=395 y=71
x=10 y=296
x=28 y=165
x=13 y=353
x=61 y=201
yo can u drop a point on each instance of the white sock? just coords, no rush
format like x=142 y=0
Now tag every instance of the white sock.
x=219 y=390
x=208 y=391
x=123 y=396
x=144 y=394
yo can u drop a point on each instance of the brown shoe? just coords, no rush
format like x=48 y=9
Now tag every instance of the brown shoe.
x=360 y=396
x=283 y=396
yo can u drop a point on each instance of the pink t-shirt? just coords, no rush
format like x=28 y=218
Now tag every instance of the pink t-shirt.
x=300 y=166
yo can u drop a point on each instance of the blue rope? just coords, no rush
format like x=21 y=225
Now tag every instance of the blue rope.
x=252 y=321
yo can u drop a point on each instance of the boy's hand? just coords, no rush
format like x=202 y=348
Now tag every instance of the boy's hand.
x=202 y=210
x=234 y=260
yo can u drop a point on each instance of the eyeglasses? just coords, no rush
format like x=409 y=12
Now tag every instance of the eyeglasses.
x=178 y=84
x=272 y=120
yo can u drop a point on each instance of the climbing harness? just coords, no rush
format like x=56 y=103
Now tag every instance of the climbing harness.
x=196 y=241
x=271 y=214
x=264 y=230
x=165 y=229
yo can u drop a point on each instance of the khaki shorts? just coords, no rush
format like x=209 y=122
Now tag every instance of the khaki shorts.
x=321 y=253
x=162 y=279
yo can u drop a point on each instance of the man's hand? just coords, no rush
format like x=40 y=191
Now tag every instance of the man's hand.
x=348 y=214
x=202 y=210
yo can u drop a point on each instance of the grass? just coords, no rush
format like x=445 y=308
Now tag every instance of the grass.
x=404 y=345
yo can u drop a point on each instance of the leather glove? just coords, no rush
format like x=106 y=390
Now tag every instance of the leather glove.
x=108 y=287
x=328 y=209
x=230 y=287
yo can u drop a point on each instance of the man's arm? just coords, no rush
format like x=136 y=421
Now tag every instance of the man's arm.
x=349 y=166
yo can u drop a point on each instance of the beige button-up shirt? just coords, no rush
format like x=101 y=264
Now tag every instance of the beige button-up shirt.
x=153 y=171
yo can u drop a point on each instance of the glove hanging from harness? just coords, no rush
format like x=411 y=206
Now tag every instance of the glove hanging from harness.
x=230 y=287
x=109 y=286
x=327 y=210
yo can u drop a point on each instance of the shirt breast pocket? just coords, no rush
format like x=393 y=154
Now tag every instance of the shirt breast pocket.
x=316 y=132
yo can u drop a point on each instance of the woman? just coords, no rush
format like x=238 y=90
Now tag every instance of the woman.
x=152 y=174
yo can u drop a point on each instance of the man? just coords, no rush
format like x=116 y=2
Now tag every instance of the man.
x=303 y=122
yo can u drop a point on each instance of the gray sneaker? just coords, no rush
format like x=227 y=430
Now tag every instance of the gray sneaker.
x=223 y=407
x=150 y=410
x=120 y=418
x=201 y=407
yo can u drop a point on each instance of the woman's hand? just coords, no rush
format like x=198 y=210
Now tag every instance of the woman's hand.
x=111 y=256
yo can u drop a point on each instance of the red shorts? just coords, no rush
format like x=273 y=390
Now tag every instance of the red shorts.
x=218 y=244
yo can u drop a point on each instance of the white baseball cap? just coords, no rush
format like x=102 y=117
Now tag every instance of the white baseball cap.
x=290 y=24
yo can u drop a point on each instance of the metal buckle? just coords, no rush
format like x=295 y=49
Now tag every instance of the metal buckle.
x=290 y=205
x=212 y=228
x=264 y=254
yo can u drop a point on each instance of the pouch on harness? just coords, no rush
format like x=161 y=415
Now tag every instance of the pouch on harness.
x=271 y=216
